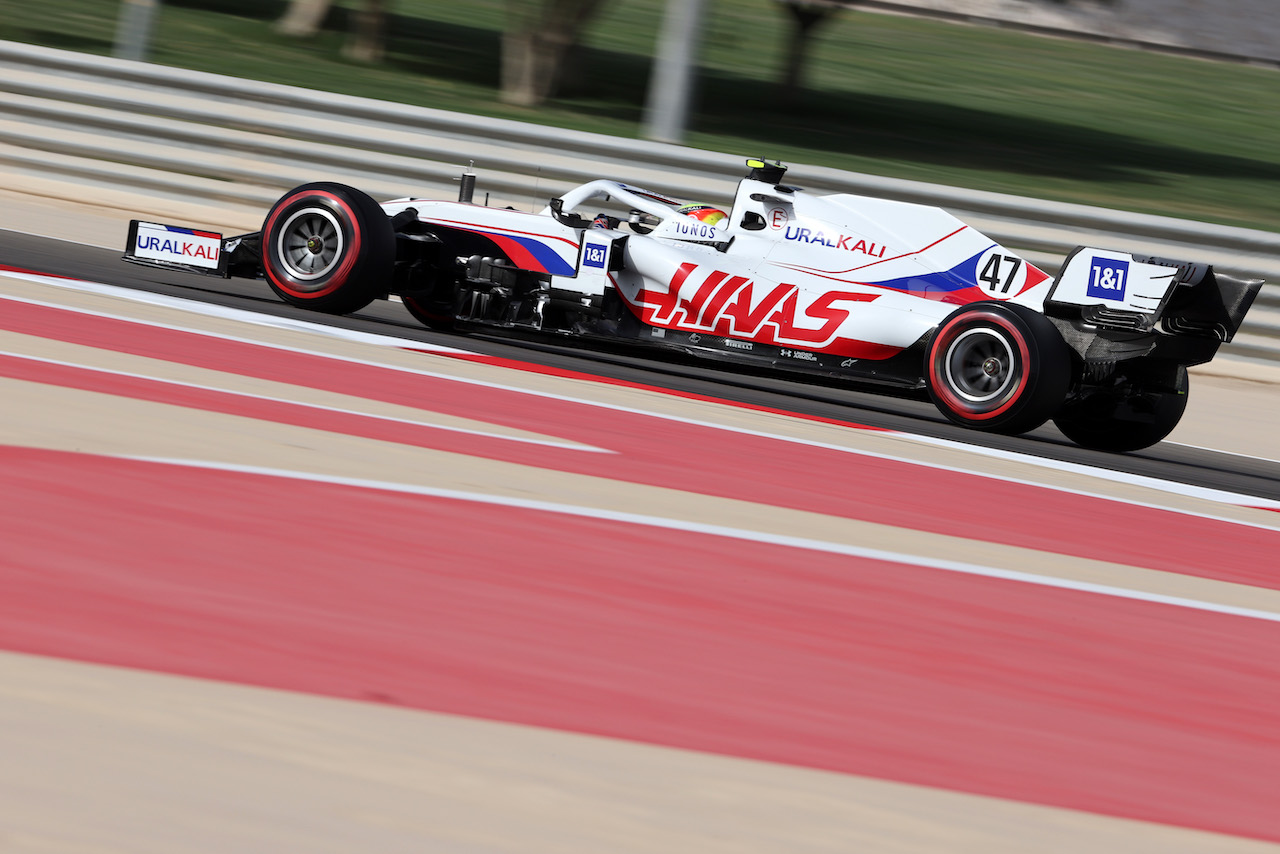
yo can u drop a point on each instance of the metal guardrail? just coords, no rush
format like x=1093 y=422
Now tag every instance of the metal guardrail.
x=115 y=124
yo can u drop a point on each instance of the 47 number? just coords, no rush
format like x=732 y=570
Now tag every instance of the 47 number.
x=995 y=275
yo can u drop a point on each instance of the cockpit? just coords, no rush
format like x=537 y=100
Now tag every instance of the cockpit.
x=613 y=205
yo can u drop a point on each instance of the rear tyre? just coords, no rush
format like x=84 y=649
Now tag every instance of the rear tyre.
x=998 y=367
x=327 y=247
x=1105 y=422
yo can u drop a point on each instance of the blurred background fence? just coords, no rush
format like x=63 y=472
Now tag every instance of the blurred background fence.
x=117 y=125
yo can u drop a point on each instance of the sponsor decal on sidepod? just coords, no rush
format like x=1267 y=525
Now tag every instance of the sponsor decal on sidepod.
x=714 y=301
x=840 y=241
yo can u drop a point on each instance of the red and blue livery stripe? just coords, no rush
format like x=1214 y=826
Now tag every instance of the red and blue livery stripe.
x=528 y=253
x=958 y=285
x=193 y=232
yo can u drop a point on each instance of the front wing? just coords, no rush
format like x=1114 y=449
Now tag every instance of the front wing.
x=176 y=247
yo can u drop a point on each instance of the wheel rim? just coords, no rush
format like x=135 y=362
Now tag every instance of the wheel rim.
x=310 y=245
x=980 y=366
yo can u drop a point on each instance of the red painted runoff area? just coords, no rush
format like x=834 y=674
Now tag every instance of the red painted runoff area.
x=667 y=453
x=1075 y=699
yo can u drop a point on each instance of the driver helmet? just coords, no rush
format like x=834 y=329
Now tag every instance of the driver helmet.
x=706 y=213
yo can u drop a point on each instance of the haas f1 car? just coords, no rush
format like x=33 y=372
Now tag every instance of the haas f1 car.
x=848 y=288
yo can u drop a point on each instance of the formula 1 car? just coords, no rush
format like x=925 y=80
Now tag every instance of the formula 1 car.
x=850 y=288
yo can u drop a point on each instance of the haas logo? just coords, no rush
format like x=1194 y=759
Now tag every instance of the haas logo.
x=731 y=305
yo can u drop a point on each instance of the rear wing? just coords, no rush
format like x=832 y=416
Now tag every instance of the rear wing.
x=1144 y=293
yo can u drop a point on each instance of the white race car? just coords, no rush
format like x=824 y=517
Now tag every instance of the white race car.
x=856 y=289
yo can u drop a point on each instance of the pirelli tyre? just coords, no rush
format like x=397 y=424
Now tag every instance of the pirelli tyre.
x=998 y=367
x=327 y=247
x=1130 y=422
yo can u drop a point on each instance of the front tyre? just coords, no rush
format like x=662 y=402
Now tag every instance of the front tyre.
x=1106 y=422
x=327 y=247
x=998 y=367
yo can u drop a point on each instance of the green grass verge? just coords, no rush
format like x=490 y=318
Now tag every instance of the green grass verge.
x=963 y=105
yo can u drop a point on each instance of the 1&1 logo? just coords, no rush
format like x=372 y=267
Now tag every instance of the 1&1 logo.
x=593 y=256
x=1107 y=278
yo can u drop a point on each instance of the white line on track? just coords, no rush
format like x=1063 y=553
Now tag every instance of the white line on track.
x=570 y=446
x=734 y=533
x=210 y=310
x=1203 y=492
x=1097 y=473
x=1228 y=453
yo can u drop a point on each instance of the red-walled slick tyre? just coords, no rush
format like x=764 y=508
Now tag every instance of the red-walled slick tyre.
x=327 y=247
x=998 y=367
